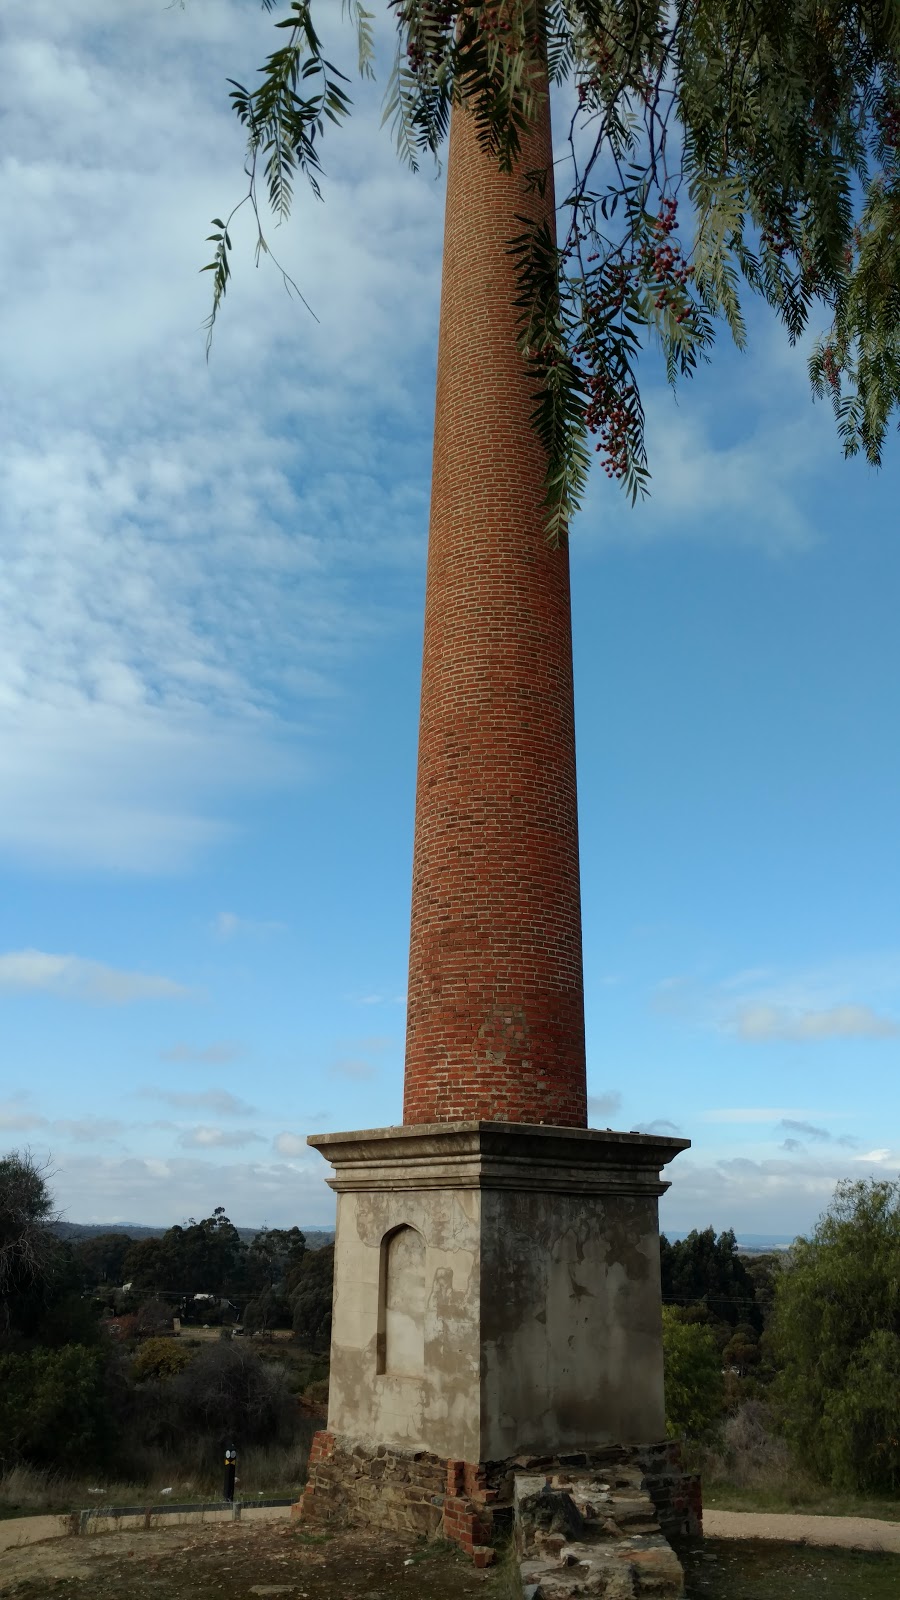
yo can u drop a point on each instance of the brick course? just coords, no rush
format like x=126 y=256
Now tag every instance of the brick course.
x=496 y=1007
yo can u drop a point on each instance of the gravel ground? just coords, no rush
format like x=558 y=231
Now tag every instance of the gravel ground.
x=846 y=1533
x=238 y=1561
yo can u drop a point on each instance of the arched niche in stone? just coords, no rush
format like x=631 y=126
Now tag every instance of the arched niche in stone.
x=401 y=1302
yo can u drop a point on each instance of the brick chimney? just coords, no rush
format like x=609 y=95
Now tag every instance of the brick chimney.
x=497 y=1289
x=496 y=997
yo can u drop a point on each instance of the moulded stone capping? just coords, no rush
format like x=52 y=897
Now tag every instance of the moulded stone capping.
x=488 y=1155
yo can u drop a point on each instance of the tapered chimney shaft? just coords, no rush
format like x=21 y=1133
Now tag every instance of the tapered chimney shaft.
x=496 y=1004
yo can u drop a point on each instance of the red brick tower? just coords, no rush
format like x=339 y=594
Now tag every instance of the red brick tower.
x=496 y=1004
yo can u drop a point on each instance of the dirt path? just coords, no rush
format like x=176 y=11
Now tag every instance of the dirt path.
x=237 y=1560
x=850 y=1533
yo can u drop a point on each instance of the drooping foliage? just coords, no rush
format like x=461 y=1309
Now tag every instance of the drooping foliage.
x=713 y=146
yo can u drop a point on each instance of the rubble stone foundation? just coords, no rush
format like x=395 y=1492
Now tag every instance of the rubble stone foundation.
x=474 y=1504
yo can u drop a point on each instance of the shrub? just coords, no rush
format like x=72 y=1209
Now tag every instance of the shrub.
x=693 y=1374
x=836 y=1330
x=52 y=1409
x=229 y=1391
x=160 y=1358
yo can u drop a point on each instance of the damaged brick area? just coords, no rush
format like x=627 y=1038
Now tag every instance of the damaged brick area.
x=592 y=1533
x=585 y=1524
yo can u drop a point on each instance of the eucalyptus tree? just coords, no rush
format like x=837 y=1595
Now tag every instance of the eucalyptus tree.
x=713 y=147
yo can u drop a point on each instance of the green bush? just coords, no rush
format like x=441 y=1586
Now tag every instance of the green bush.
x=52 y=1406
x=693 y=1374
x=836 y=1330
x=160 y=1358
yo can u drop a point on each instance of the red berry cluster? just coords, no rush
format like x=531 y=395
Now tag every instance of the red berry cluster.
x=775 y=240
x=609 y=413
x=662 y=263
x=889 y=122
x=830 y=368
x=434 y=19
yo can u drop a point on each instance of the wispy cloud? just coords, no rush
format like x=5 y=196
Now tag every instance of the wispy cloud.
x=850 y=998
x=291 y=1144
x=762 y=1022
x=219 y=1101
x=205 y=1138
x=74 y=978
x=182 y=543
x=353 y=1068
x=604 y=1105
x=89 y=1130
x=774 y=1114
x=17 y=1116
x=805 y=1130
x=228 y=924
x=204 y=1055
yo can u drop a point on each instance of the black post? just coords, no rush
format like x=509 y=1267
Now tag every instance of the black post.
x=230 y=1469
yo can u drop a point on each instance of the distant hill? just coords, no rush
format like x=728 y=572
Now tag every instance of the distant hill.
x=315 y=1237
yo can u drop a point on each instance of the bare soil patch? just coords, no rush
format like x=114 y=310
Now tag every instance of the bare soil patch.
x=241 y=1561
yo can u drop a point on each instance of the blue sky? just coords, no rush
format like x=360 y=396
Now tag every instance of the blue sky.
x=211 y=595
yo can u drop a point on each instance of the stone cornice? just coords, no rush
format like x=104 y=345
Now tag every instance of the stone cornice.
x=497 y=1155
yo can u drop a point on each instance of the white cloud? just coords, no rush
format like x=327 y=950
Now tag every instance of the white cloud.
x=204 y=1138
x=74 y=978
x=182 y=545
x=219 y=1101
x=762 y=1022
x=160 y=1192
x=779 y=1195
x=750 y=488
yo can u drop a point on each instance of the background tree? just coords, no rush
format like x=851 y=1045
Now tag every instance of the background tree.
x=705 y=1269
x=310 y=1289
x=836 y=1330
x=273 y=1255
x=101 y=1258
x=30 y=1256
x=204 y=1257
x=710 y=145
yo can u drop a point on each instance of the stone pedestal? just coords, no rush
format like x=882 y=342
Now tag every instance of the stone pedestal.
x=497 y=1299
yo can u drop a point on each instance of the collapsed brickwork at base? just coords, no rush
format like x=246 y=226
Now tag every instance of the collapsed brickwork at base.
x=592 y=1533
x=472 y=1504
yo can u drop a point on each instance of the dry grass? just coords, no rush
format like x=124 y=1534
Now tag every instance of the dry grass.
x=752 y=1469
x=273 y=1472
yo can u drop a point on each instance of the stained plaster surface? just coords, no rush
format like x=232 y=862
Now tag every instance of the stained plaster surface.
x=536 y=1283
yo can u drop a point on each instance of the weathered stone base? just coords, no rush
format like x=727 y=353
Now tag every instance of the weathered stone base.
x=473 y=1504
x=592 y=1533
